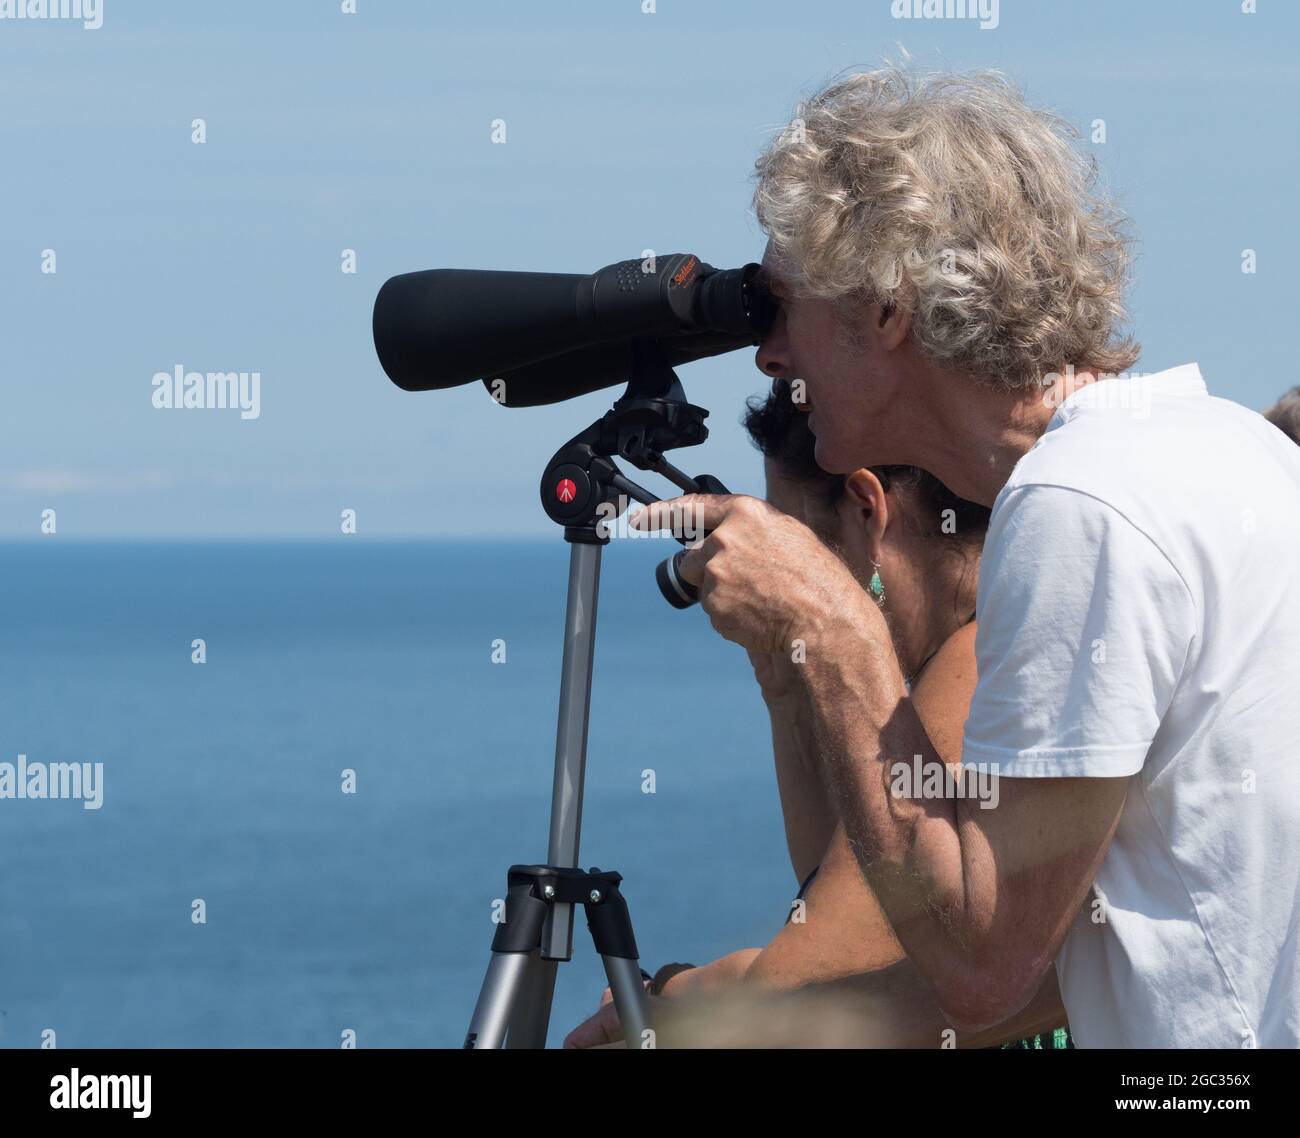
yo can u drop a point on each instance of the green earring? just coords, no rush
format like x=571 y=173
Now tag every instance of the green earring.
x=877 y=586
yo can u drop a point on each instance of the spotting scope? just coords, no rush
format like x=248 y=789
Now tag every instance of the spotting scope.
x=536 y=338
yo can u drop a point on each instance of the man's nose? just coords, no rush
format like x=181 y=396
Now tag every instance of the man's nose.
x=773 y=357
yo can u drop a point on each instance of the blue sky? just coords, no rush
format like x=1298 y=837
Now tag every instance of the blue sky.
x=626 y=131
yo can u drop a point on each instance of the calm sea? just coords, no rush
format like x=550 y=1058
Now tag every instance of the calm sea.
x=325 y=911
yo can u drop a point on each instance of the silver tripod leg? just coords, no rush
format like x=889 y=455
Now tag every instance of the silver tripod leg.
x=532 y=1011
x=502 y=986
x=630 y=1001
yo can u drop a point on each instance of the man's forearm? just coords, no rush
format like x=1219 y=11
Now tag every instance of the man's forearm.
x=888 y=1007
x=909 y=849
x=899 y=1009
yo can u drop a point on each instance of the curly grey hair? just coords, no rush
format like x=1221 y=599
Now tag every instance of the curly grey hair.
x=948 y=195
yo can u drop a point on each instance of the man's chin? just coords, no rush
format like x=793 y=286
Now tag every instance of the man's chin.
x=831 y=460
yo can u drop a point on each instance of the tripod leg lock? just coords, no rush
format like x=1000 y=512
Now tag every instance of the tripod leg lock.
x=521 y=931
x=608 y=919
x=531 y=889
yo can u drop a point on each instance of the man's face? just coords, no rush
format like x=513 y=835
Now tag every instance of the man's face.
x=847 y=391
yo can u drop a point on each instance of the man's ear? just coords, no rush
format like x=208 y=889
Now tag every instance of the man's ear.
x=893 y=323
x=869 y=505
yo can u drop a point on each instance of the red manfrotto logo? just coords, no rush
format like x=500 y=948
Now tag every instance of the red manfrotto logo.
x=566 y=491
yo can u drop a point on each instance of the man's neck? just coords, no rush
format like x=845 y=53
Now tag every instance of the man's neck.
x=981 y=433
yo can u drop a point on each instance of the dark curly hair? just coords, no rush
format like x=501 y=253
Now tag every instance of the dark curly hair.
x=780 y=430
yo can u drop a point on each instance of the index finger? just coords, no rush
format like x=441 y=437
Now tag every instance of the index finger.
x=689 y=516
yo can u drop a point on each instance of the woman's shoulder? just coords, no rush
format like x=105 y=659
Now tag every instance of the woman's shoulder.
x=942 y=692
x=955 y=656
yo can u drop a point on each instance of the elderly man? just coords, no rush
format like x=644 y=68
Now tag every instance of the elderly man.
x=950 y=288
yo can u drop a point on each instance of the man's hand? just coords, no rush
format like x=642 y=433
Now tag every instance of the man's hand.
x=765 y=579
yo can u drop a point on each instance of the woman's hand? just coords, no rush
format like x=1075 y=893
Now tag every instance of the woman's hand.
x=601 y=1029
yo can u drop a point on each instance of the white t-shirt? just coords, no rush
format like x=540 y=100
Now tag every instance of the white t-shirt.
x=1139 y=614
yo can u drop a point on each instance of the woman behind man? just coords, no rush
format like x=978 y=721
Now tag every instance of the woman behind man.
x=914 y=546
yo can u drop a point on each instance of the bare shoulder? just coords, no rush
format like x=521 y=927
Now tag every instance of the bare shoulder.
x=943 y=692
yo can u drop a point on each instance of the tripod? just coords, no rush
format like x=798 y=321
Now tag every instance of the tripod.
x=578 y=488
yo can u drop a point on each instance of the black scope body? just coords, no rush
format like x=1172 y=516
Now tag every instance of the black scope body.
x=536 y=338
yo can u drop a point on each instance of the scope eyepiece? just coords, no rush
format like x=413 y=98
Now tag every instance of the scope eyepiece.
x=734 y=300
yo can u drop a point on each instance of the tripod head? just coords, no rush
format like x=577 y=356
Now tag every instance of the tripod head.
x=581 y=482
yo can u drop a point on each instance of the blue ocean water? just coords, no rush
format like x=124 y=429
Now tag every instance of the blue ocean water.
x=222 y=782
